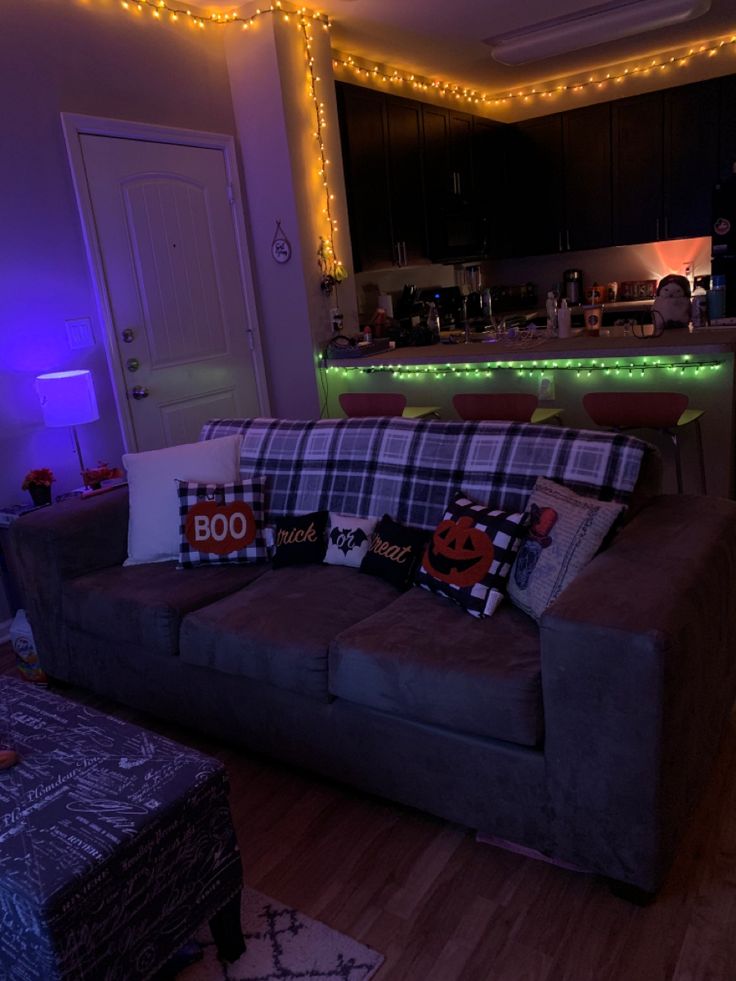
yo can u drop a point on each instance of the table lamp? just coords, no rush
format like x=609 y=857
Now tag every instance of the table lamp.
x=68 y=399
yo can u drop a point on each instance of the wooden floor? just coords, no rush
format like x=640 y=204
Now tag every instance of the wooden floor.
x=441 y=907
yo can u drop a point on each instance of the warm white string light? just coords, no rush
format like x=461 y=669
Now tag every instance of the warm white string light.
x=304 y=19
x=663 y=62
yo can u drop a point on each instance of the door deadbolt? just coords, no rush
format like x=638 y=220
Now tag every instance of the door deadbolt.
x=139 y=392
x=132 y=364
x=128 y=335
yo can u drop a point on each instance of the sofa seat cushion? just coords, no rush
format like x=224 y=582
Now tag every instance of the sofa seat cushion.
x=144 y=605
x=426 y=659
x=278 y=630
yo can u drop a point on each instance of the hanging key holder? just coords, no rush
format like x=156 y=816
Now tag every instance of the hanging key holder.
x=280 y=246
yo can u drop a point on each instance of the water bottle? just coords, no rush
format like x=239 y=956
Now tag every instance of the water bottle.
x=699 y=307
x=433 y=322
x=551 y=305
x=563 y=320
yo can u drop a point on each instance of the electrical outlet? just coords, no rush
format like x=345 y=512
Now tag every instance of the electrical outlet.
x=546 y=391
x=687 y=270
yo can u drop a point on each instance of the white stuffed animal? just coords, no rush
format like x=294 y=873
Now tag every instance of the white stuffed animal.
x=671 y=306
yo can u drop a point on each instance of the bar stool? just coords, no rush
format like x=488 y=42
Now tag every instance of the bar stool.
x=503 y=406
x=359 y=404
x=666 y=412
x=384 y=404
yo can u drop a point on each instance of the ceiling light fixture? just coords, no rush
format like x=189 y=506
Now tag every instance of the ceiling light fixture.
x=595 y=25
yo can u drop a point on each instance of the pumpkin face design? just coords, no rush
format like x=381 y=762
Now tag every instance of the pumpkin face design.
x=459 y=554
x=220 y=528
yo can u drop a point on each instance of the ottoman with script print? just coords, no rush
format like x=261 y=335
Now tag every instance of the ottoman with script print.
x=115 y=845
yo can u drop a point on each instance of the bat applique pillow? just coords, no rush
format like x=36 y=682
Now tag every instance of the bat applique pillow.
x=348 y=539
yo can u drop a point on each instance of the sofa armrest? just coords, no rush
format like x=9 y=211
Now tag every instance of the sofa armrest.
x=58 y=543
x=638 y=678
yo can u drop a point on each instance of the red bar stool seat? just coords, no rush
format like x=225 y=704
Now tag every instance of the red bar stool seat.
x=509 y=407
x=504 y=406
x=361 y=404
x=666 y=412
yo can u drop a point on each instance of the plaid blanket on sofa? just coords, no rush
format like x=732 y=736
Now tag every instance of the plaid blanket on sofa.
x=411 y=469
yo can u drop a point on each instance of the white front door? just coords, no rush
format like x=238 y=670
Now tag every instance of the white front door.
x=180 y=317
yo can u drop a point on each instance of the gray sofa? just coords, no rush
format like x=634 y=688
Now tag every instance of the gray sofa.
x=587 y=738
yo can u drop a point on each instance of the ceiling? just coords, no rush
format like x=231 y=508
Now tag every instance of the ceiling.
x=443 y=39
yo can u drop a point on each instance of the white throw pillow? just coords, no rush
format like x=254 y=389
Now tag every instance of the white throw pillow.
x=348 y=539
x=153 y=523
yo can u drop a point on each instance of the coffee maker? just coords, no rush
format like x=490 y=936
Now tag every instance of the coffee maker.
x=573 y=280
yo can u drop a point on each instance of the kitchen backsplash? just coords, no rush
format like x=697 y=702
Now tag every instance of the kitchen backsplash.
x=651 y=260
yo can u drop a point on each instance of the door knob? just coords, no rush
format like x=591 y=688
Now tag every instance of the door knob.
x=139 y=392
x=132 y=364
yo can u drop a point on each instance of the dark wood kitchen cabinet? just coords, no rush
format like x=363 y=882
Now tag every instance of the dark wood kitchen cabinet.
x=665 y=163
x=727 y=127
x=455 y=222
x=491 y=175
x=535 y=221
x=382 y=155
x=638 y=173
x=690 y=158
x=586 y=137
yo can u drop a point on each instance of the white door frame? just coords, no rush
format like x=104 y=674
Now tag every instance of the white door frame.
x=76 y=125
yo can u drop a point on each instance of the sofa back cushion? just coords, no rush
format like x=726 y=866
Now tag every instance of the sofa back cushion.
x=411 y=469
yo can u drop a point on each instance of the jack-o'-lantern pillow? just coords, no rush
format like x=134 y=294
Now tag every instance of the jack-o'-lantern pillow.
x=221 y=523
x=470 y=554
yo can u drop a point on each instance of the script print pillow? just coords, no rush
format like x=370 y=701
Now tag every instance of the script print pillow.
x=565 y=532
x=221 y=523
x=469 y=557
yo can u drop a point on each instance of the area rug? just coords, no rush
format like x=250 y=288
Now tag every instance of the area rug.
x=284 y=944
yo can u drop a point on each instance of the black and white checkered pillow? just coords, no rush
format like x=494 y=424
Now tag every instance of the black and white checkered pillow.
x=470 y=555
x=221 y=523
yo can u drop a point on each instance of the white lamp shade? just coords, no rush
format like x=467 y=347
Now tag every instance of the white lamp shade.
x=67 y=398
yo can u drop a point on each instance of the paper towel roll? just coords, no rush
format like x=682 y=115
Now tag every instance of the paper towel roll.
x=386 y=303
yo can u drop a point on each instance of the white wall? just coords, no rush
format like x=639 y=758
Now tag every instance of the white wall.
x=60 y=56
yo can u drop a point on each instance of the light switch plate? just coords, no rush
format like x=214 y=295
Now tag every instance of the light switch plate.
x=79 y=333
x=546 y=388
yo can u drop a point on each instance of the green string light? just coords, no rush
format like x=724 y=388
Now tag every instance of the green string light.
x=485 y=369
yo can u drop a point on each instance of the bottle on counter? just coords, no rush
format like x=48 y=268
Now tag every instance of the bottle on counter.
x=699 y=307
x=485 y=305
x=433 y=322
x=367 y=334
x=563 y=319
x=551 y=305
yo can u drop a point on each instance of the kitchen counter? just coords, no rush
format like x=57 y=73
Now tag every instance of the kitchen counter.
x=671 y=344
x=560 y=372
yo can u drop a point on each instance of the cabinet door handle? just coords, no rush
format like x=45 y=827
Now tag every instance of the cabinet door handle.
x=567 y=238
x=397 y=254
x=459 y=184
x=657 y=233
x=559 y=240
x=403 y=249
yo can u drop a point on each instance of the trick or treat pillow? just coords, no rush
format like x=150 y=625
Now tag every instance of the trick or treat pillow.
x=394 y=552
x=348 y=539
x=565 y=532
x=470 y=554
x=300 y=539
x=221 y=523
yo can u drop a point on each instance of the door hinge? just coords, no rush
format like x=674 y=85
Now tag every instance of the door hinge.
x=250 y=339
x=230 y=194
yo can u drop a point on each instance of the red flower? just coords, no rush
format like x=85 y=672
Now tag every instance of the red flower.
x=42 y=477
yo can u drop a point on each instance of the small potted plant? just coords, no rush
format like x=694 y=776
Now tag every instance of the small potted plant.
x=94 y=476
x=38 y=484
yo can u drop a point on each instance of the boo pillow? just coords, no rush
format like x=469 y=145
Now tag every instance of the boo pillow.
x=153 y=524
x=221 y=523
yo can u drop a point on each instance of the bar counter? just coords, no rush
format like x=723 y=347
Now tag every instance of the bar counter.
x=700 y=364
